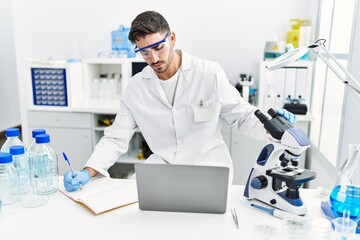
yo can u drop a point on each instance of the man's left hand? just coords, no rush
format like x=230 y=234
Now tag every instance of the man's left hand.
x=290 y=117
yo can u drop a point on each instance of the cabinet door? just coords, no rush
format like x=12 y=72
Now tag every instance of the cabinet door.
x=76 y=143
x=244 y=152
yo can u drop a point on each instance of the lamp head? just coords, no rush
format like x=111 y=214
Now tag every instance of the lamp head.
x=287 y=58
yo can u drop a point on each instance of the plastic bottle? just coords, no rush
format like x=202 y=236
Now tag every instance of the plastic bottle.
x=294 y=34
x=12 y=139
x=44 y=166
x=95 y=85
x=21 y=165
x=8 y=179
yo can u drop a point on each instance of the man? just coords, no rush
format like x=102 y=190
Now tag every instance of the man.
x=179 y=103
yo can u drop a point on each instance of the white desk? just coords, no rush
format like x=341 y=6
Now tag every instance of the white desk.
x=62 y=218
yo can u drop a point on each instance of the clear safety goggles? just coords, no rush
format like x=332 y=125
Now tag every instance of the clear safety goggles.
x=157 y=48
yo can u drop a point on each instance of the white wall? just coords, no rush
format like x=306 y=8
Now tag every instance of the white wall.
x=9 y=97
x=232 y=32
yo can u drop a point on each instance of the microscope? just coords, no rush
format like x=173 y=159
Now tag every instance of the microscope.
x=276 y=178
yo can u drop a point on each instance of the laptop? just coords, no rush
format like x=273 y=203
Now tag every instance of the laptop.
x=182 y=188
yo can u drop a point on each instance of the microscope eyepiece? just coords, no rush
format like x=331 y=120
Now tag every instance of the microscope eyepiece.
x=273 y=113
x=261 y=116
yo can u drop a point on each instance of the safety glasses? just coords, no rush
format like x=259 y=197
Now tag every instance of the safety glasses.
x=156 y=48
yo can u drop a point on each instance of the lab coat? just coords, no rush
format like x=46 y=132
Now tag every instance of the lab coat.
x=178 y=134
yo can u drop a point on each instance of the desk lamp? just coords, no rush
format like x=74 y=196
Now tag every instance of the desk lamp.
x=319 y=48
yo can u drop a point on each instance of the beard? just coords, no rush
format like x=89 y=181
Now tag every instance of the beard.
x=166 y=63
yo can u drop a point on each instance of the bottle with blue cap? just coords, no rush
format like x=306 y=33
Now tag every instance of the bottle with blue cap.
x=12 y=139
x=34 y=133
x=8 y=182
x=43 y=163
x=21 y=165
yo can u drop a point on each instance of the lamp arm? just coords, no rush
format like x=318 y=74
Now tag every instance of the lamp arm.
x=354 y=84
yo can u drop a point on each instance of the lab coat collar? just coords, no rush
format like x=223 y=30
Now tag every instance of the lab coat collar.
x=187 y=64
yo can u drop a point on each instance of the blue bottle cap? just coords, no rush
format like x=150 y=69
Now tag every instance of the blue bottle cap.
x=42 y=138
x=37 y=132
x=5 y=157
x=17 y=150
x=12 y=132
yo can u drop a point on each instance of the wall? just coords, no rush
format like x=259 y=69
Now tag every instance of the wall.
x=230 y=32
x=9 y=98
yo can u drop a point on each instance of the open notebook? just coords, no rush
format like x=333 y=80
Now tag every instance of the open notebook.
x=104 y=194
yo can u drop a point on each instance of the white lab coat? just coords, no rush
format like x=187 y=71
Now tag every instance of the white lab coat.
x=170 y=131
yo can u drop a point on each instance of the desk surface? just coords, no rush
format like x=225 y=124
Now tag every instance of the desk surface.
x=62 y=218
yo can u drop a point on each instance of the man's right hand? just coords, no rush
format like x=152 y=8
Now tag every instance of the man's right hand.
x=74 y=182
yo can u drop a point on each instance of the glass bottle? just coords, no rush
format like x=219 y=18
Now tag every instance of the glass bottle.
x=34 y=133
x=44 y=166
x=346 y=193
x=21 y=165
x=8 y=183
x=12 y=139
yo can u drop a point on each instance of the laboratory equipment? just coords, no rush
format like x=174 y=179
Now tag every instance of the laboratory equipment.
x=12 y=139
x=293 y=34
x=346 y=193
x=320 y=229
x=21 y=165
x=44 y=166
x=34 y=133
x=294 y=230
x=120 y=43
x=344 y=228
x=55 y=83
x=278 y=213
x=246 y=82
x=235 y=218
x=8 y=180
x=276 y=178
x=274 y=49
x=296 y=106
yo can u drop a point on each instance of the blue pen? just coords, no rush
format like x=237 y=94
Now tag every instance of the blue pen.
x=68 y=163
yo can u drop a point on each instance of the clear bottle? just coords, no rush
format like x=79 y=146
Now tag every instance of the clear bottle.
x=44 y=166
x=8 y=179
x=12 y=139
x=35 y=132
x=346 y=193
x=21 y=165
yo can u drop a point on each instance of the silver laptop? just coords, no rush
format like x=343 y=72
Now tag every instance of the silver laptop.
x=182 y=188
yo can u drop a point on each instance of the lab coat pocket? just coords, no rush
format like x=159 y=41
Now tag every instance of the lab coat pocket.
x=202 y=114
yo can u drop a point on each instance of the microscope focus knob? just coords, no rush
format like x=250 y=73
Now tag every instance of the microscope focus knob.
x=259 y=182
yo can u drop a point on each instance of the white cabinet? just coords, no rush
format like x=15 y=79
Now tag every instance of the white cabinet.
x=105 y=79
x=69 y=132
x=244 y=152
x=293 y=81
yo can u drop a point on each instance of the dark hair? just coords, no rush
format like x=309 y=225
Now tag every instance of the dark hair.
x=148 y=22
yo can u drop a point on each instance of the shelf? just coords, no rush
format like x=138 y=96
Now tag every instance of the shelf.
x=130 y=159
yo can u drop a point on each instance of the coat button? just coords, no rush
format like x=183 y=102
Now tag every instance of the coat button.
x=173 y=110
x=179 y=142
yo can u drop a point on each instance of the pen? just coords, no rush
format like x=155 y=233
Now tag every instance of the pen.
x=234 y=215
x=68 y=163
